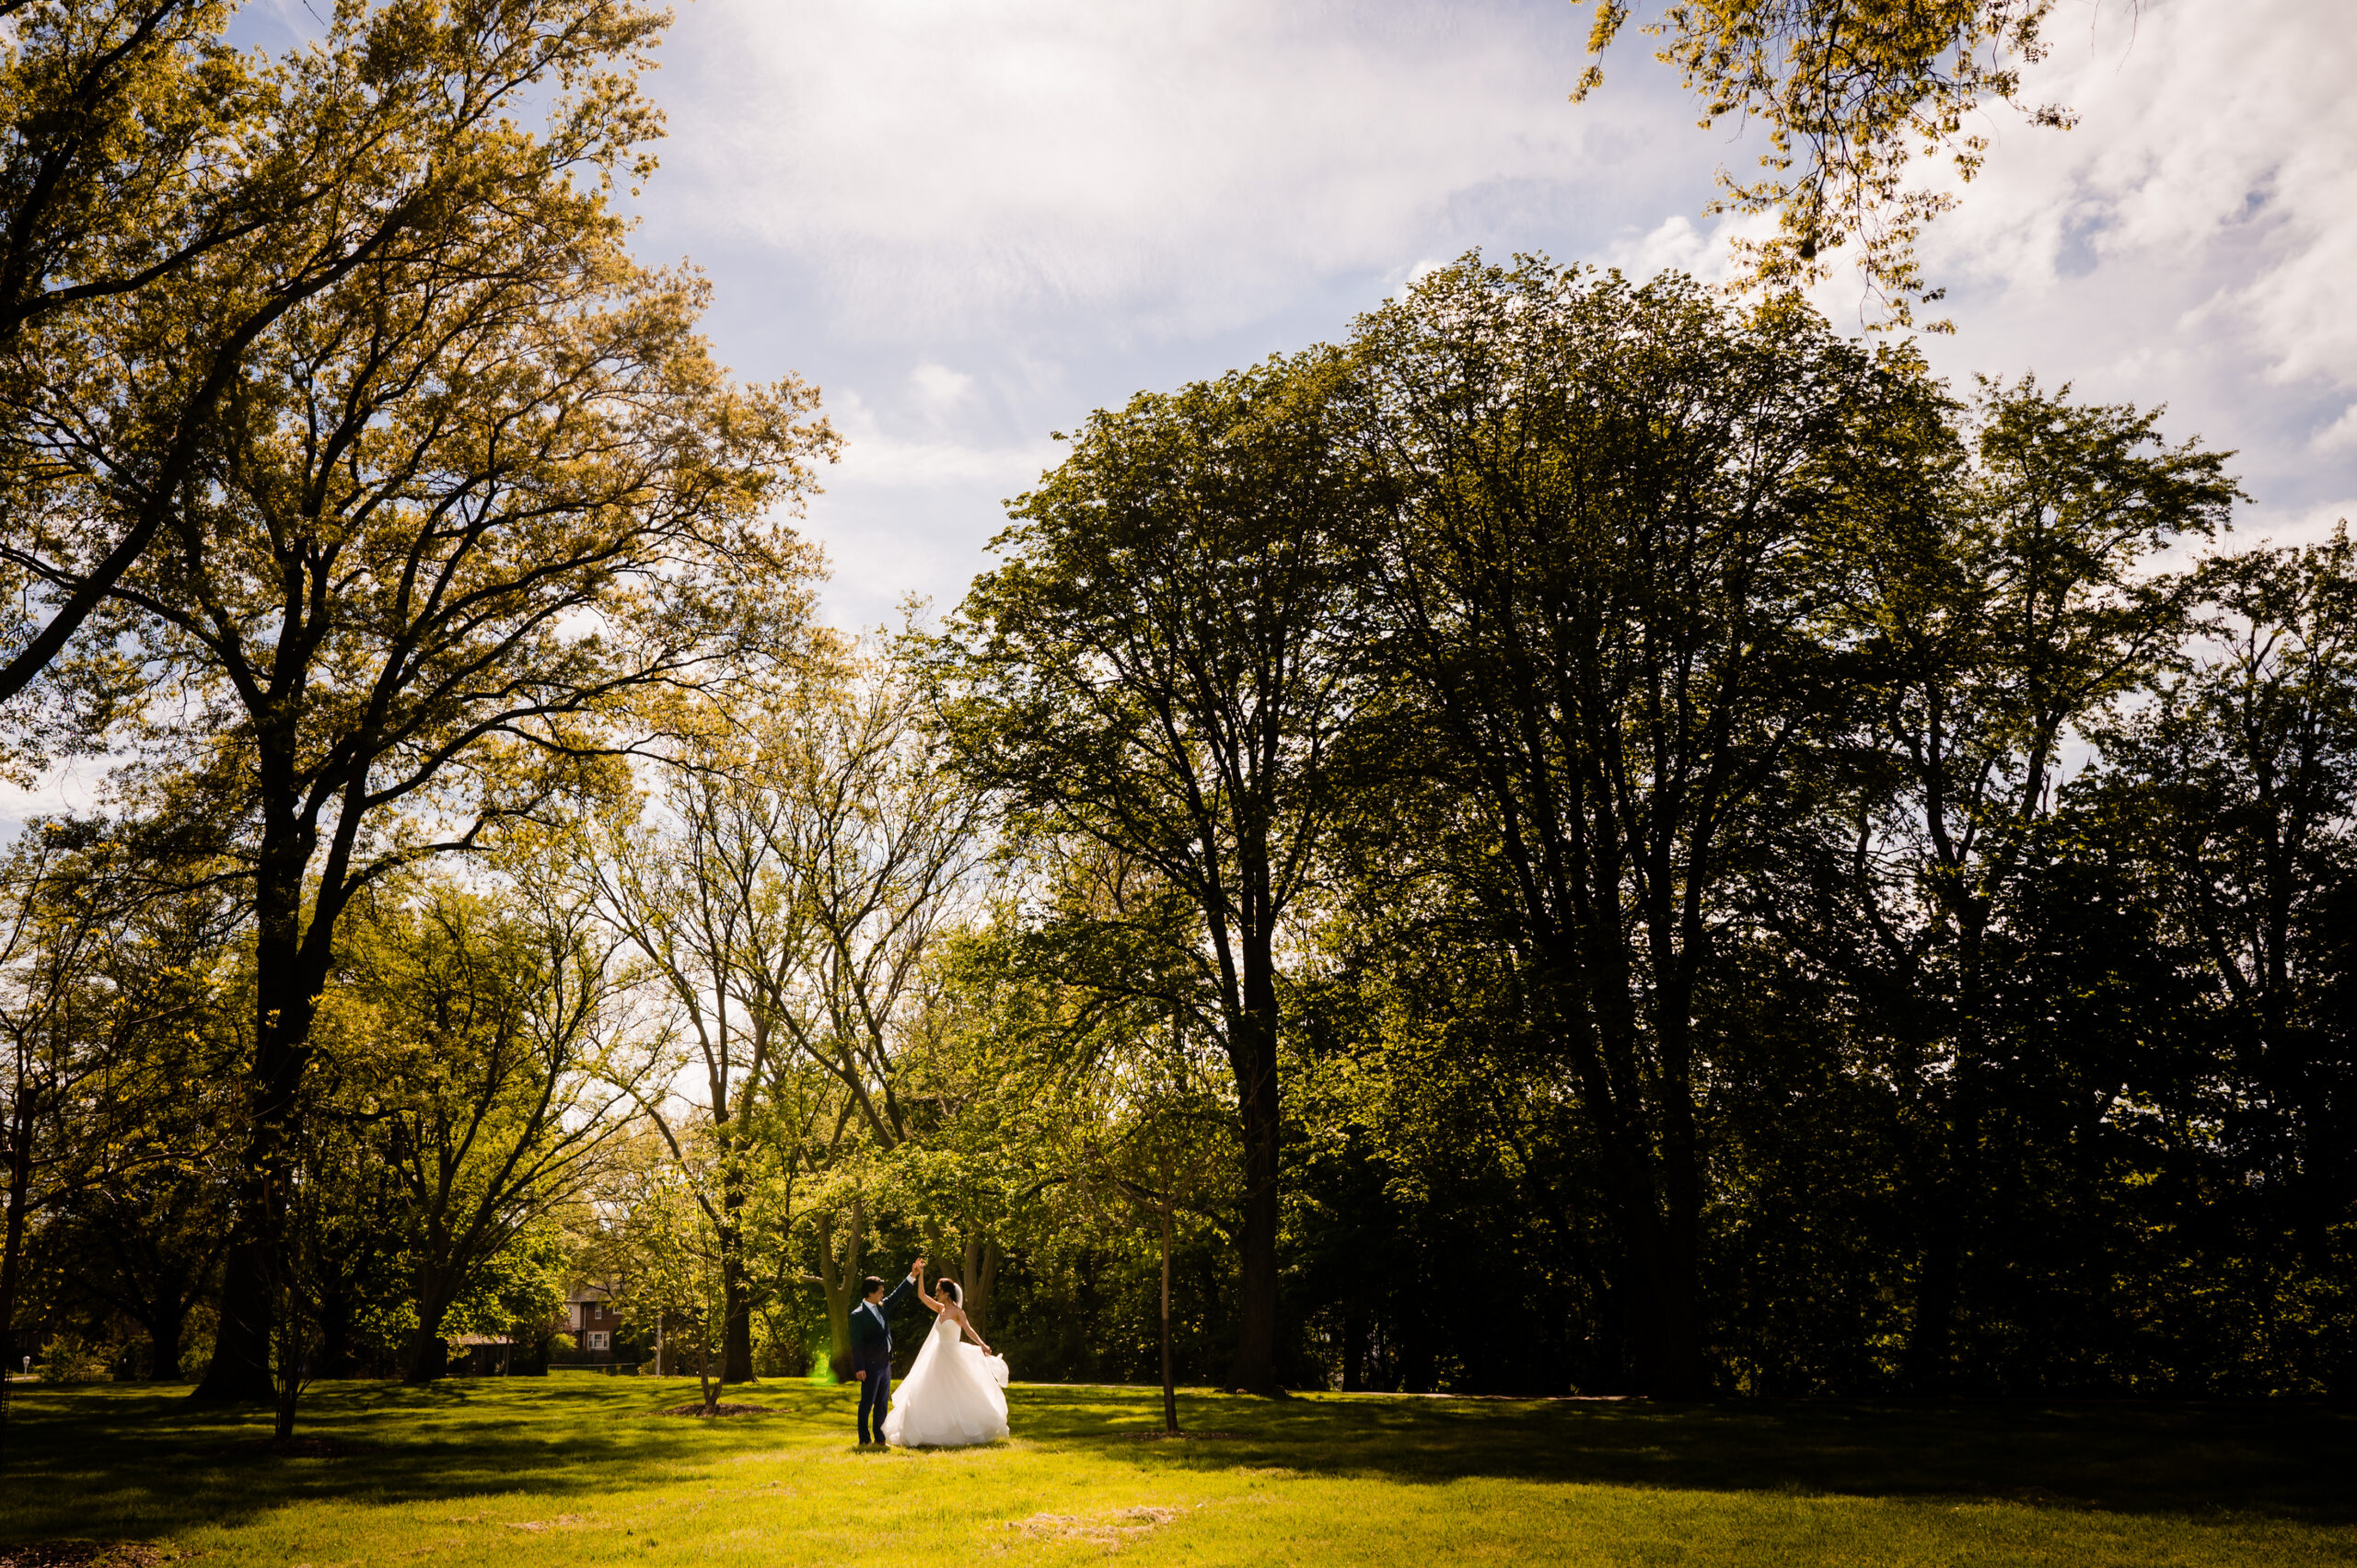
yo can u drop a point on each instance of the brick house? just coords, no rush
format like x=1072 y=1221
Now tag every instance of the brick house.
x=595 y=1322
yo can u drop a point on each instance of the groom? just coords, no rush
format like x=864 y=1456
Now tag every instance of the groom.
x=871 y=1349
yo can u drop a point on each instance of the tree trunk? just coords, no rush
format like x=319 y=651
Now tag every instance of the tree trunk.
x=335 y=1331
x=288 y=1389
x=1419 y=1372
x=240 y=1370
x=1927 y=1349
x=735 y=1291
x=981 y=1277
x=20 y=1170
x=1930 y=1357
x=289 y=971
x=1677 y=1349
x=838 y=1279
x=1931 y=1350
x=1253 y=1054
x=1599 y=1040
x=1678 y=1370
x=737 y=1328
x=1170 y=1388
x=429 y=1353
x=428 y=1360
x=19 y=1183
x=165 y=1331
x=1641 y=1263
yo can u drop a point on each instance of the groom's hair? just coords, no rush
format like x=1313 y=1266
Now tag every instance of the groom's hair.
x=871 y=1286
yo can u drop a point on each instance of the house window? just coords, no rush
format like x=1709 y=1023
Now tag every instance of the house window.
x=599 y=1342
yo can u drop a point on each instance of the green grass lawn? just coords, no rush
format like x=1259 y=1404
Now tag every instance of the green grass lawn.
x=579 y=1470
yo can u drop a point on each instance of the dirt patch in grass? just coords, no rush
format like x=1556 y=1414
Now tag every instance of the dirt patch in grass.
x=83 y=1554
x=1112 y=1530
x=562 y=1522
x=717 y=1409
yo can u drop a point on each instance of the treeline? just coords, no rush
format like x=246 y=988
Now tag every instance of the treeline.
x=1584 y=838
x=1719 y=864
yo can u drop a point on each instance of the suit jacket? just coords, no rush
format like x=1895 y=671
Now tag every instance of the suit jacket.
x=871 y=1329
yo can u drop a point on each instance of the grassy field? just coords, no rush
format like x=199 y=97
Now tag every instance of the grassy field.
x=581 y=1469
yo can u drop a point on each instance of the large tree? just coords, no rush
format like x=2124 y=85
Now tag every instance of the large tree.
x=169 y=200
x=722 y=930
x=489 y=1042
x=459 y=509
x=2005 y=599
x=140 y=1218
x=2239 y=778
x=786 y=885
x=59 y=1013
x=1165 y=663
x=690 y=884
x=881 y=838
x=1600 y=577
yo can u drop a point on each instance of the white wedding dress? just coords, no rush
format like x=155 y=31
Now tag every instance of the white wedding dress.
x=953 y=1396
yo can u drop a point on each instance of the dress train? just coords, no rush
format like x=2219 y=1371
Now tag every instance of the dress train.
x=954 y=1395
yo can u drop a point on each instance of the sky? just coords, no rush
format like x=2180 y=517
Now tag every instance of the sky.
x=971 y=222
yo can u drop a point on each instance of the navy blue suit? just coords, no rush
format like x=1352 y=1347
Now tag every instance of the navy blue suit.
x=871 y=1352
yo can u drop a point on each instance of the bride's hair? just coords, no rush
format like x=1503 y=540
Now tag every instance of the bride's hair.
x=950 y=1289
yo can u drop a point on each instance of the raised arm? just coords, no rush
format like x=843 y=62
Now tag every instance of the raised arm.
x=918 y=1281
x=911 y=1284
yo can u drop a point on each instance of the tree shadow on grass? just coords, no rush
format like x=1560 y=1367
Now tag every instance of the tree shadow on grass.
x=129 y=1462
x=2288 y=1461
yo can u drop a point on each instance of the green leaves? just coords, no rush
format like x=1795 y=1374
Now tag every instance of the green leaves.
x=1163 y=662
x=1849 y=90
x=386 y=160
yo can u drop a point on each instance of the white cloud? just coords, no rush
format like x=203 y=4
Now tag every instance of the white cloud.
x=2309 y=524
x=903 y=515
x=877 y=456
x=2213 y=176
x=2189 y=244
x=1672 y=245
x=881 y=460
x=972 y=220
x=75 y=788
x=2341 y=435
x=1186 y=165
x=938 y=388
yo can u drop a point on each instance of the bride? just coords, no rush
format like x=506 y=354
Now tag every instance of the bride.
x=953 y=1396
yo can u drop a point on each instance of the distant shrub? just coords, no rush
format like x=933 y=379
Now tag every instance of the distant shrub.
x=69 y=1358
x=196 y=1360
